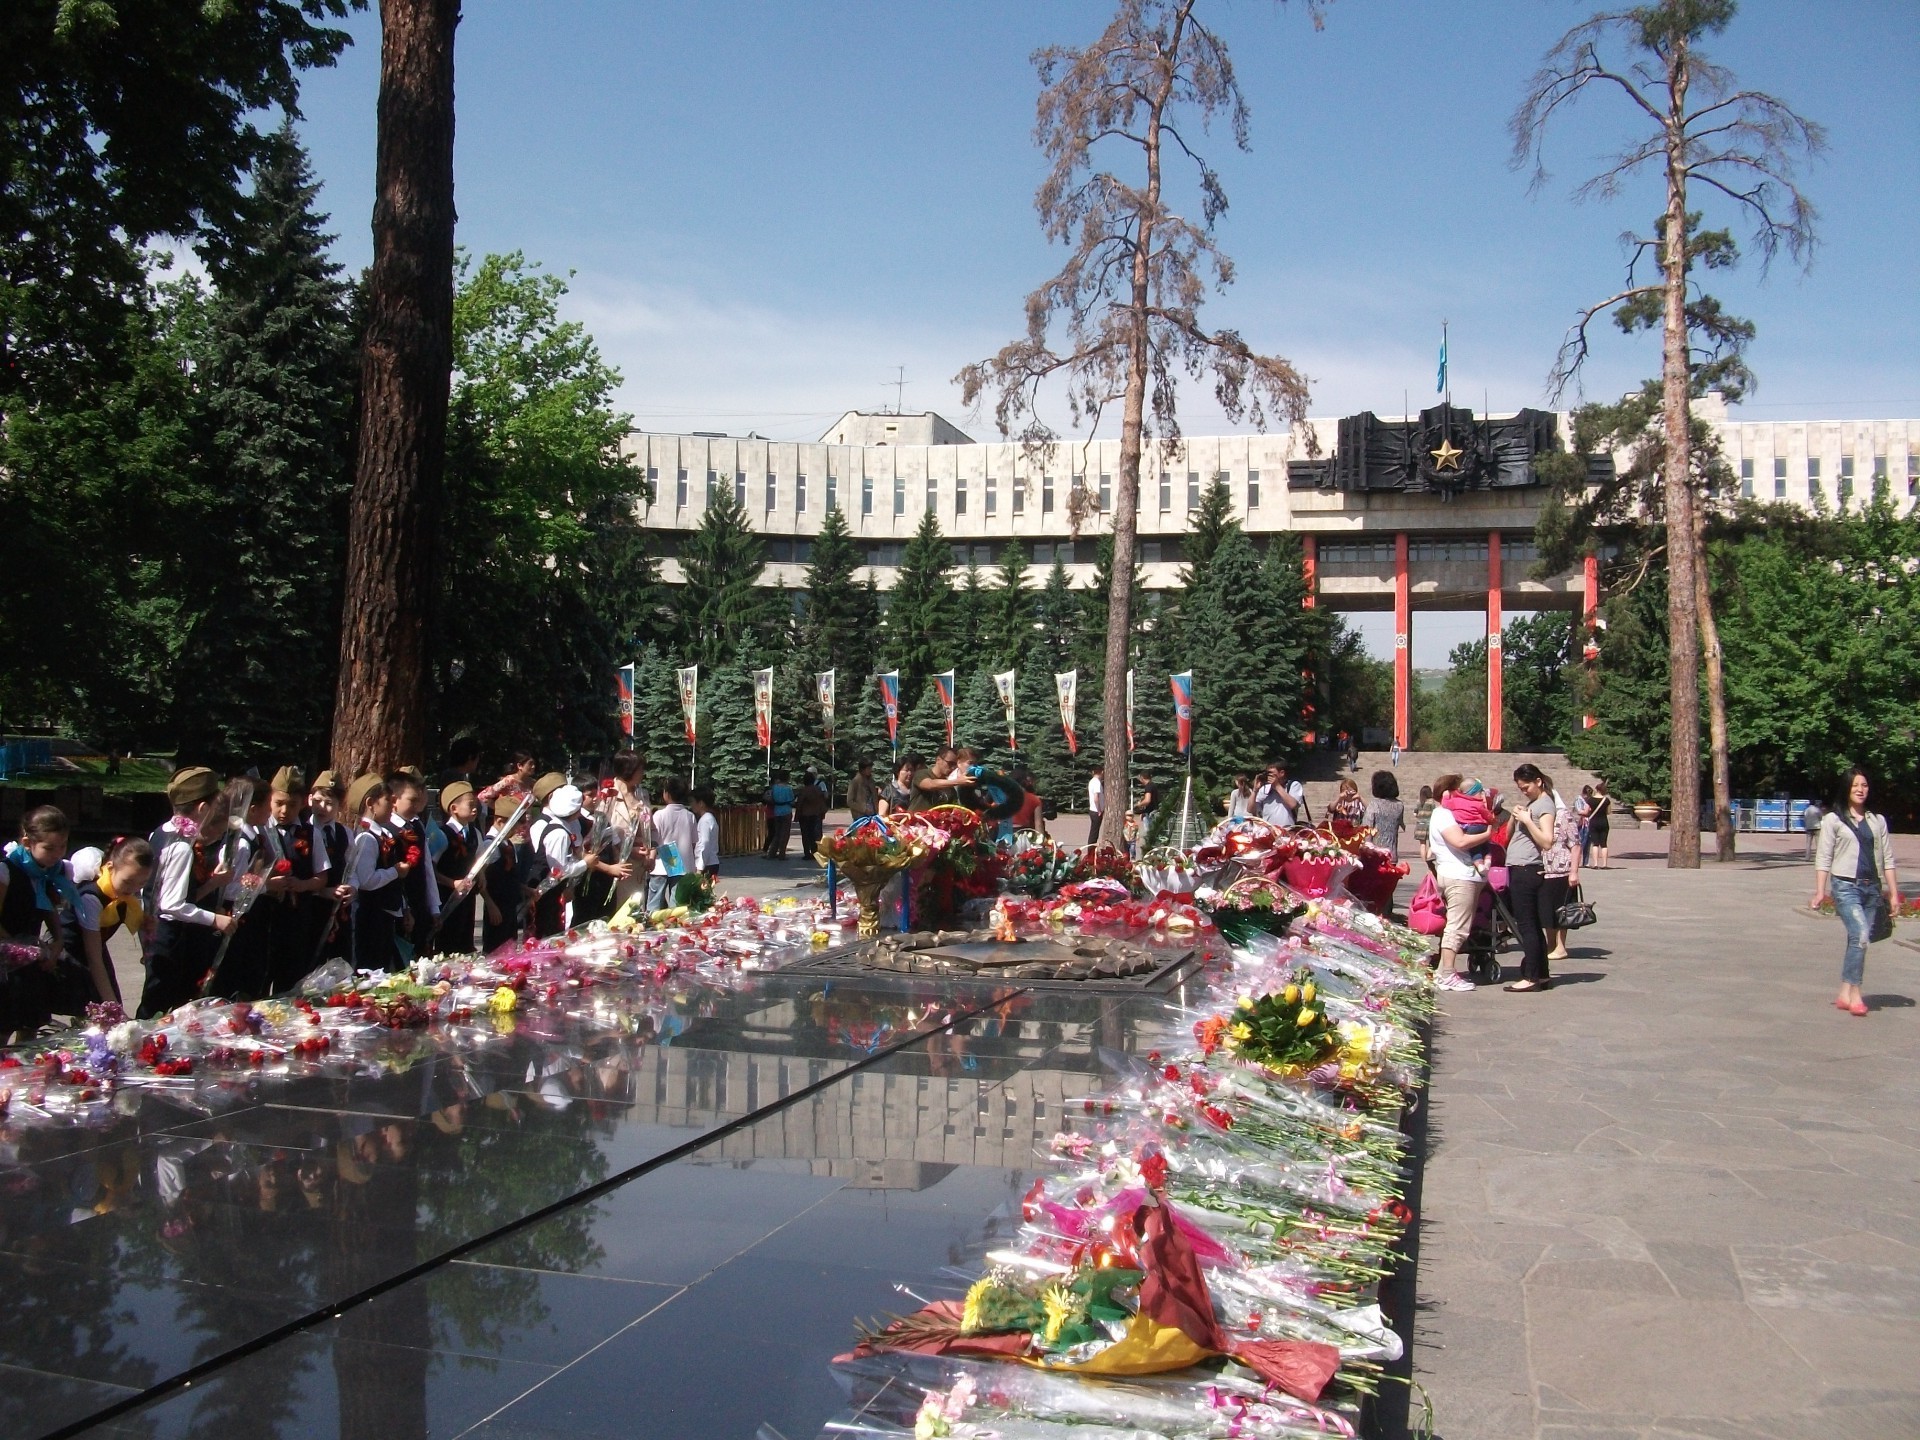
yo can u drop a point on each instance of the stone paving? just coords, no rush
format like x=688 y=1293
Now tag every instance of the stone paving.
x=1678 y=1195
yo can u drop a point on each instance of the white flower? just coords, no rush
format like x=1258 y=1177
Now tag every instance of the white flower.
x=124 y=1038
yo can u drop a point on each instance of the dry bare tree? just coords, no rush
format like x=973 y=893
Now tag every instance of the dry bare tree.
x=1697 y=127
x=406 y=367
x=1125 y=306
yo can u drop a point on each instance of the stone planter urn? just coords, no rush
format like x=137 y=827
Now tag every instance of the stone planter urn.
x=1648 y=814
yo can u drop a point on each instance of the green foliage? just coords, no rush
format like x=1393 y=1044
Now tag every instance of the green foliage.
x=1629 y=744
x=921 y=611
x=118 y=123
x=1006 y=622
x=658 y=730
x=923 y=729
x=1358 y=688
x=1207 y=528
x=1540 y=661
x=980 y=721
x=723 y=610
x=841 y=615
x=274 y=363
x=536 y=490
x=1246 y=641
x=1043 y=747
x=1454 y=716
x=731 y=760
x=1819 y=628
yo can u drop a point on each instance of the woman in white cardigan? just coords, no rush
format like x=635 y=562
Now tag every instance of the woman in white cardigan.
x=1854 y=863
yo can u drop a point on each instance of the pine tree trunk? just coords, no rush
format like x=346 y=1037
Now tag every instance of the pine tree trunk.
x=1724 y=836
x=406 y=364
x=1683 y=631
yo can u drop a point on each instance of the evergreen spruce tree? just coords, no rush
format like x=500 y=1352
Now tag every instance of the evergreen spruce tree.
x=722 y=607
x=980 y=721
x=731 y=760
x=1058 y=775
x=969 y=618
x=1006 y=626
x=275 y=371
x=658 y=730
x=841 y=615
x=921 y=610
x=923 y=729
x=1207 y=528
x=865 y=737
x=1246 y=672
x=623 y=581
x=1058 y=622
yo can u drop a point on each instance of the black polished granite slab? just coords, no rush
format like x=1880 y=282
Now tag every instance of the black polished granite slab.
x=800 y=1150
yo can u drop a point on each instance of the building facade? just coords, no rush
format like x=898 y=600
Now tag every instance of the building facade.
x=1366 y=549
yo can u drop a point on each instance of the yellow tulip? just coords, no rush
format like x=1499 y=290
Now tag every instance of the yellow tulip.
x=1307 y=1017
x=1306 y=993
x=1291 y=994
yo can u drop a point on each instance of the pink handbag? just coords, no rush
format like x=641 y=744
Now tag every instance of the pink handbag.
x=1427 y=912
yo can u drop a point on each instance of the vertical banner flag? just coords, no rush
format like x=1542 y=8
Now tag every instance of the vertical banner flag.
x=1183 y=709
x=1068 y=686
x=890 y=702
x=763 y=708
x=1440 y=375
x=1129 y=712
x=943 y=682
x=824 y=683
x=1004 y=684
x=689 y=697
x=626 y=701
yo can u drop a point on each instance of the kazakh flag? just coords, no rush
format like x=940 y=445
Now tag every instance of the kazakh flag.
x=1440 y=378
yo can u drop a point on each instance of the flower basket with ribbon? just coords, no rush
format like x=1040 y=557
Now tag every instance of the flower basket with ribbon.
x=1166 y=870
x=870 y=852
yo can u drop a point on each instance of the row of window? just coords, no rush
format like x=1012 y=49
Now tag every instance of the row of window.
x=962 y=486
x=1812 y=476
x=1431 y=549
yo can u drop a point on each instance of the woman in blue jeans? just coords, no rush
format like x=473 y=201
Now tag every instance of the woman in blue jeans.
x=1854 y=862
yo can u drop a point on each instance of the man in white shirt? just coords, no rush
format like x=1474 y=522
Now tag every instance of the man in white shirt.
x=676 y=843
x=1096 y=796
x=1280 y=802
x=706 y=845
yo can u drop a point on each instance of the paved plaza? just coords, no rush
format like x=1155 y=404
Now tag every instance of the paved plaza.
x=1679 y=1194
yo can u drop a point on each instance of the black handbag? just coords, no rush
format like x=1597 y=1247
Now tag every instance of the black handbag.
x=1882 y=927
x=1577 y=913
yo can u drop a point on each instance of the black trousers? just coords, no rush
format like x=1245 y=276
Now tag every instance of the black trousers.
x=779 y=830
x=811 y=829
x=179 y=960
x=1527 y=894
x=373 y=935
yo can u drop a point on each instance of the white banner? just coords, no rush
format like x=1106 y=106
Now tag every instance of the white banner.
x=1068 y=686
x=1004 y=684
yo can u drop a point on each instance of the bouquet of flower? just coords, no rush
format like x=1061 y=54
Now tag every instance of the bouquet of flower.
x=892 y=843
x=1104 y=862
x=1252 y=905
x=1287 y=1030
x=1040 y=868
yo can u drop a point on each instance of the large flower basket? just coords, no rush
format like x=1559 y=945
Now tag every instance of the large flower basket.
x=1373 y=885
x=868 y=879
x=1313 y=876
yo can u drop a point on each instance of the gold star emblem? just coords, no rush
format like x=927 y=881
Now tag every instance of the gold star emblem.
x=1446 y=457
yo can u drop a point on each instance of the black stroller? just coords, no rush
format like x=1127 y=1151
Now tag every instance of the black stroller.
x=1493 y=929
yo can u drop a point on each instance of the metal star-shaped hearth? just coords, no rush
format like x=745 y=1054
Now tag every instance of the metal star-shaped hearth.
x=1446 y=457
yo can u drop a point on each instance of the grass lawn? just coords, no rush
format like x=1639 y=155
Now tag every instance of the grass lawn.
x=139 y=776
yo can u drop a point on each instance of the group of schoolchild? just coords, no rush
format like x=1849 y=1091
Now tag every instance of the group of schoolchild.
x=249 y=887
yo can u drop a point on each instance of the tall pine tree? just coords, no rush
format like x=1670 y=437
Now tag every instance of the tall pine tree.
x=724 y=609
x=275 y=371
x=921 y=611
x=841 y=615
x=1006 y=625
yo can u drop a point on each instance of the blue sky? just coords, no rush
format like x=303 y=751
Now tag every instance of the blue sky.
x=768 y=208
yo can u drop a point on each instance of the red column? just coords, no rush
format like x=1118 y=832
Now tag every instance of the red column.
x=1310 y=566
x=1494 y=727
x=1402 y=654
x=1589 y=617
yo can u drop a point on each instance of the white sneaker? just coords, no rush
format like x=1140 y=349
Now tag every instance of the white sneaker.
x=1453 y=980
